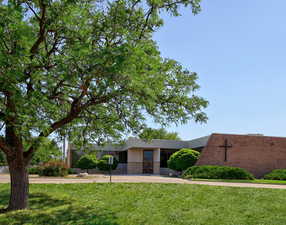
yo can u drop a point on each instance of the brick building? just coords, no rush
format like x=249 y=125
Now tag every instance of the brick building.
x=256 y=153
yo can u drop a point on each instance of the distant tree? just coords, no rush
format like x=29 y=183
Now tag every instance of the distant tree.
x=48 y=150
x=87 y=162
x=151 y=133
x=86 y=69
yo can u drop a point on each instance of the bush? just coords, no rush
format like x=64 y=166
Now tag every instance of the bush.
x=71 y=171
x=87 y=162
x=103 y=163
x=183 y=159
x=33 y=170
x=2 y=159
x=53 y=169
x=217 y=172
x=279 y=174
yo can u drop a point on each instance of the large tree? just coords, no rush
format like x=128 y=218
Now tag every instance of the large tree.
x=85 y=67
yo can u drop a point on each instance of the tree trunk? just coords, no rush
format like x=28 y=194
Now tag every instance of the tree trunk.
x=19 y=191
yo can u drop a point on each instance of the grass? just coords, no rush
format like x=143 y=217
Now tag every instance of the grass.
x=256 y=181
x=150 y=204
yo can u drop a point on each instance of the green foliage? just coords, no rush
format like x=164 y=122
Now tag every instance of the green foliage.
x=217 y=172
x=183 y=159
x=87 y=161
x=2 y=159
x=53 y=169
x=278 y=174
x=103 y=163
x=91 y=70
x=34 y=170
x=151 y=133
x=47 y=151
x=71 y=171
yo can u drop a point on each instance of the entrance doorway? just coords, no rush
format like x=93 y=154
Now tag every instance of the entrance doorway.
x=147 y=161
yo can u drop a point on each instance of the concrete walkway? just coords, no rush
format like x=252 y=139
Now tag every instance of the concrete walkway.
x=135 y=179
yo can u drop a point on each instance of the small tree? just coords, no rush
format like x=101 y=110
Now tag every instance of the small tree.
x=183 y=159
x=87 y=162
x=103 y=163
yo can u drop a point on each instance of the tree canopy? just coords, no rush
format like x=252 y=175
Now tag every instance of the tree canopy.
x=90 y=66
x=151 y=133
x=88 y=70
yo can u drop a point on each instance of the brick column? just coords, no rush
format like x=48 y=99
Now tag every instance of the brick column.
x=135 y=161
x=156 y=162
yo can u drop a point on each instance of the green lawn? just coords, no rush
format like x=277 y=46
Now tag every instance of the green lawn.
x=257 y=181
x=148 y=204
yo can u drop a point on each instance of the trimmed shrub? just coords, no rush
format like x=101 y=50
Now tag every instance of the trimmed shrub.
x=183 y=159
x=87 y=162
x=53 y=169
x=279 y=174
x=33 y=170
x=103 y=163
x=217 y=172
x=71 y=171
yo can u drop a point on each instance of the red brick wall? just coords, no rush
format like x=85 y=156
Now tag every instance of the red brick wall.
x=257 y=154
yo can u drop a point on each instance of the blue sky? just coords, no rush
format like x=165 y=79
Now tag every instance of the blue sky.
x=238 y=49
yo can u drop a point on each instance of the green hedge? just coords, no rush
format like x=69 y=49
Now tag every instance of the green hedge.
x=36 y=170
x=102 y=164
x=183 y=159
x=71 y=171
x=53 y=169
x=217 y=172
x=33 y=170
x=279 y=174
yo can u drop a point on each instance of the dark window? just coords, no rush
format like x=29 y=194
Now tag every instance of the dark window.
x=164 y=156
x=123 y=157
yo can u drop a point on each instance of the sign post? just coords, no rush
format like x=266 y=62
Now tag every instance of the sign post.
x=110 y=163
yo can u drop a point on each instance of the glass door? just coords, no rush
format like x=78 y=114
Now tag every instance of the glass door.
x=147 y=161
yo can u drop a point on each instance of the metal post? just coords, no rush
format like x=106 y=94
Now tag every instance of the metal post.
x=109 y=173
x=110 y=163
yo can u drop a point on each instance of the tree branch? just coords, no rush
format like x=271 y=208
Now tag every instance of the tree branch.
x=31 y=8
x=5 y=45
x=146 y=21
x=41 y=35
x=76 y=109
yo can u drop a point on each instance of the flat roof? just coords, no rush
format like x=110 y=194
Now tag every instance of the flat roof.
x=155 y=143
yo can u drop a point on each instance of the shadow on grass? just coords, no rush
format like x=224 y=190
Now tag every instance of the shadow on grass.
x=45 y=209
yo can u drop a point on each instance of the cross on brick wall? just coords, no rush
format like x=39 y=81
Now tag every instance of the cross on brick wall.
x=226 y=146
